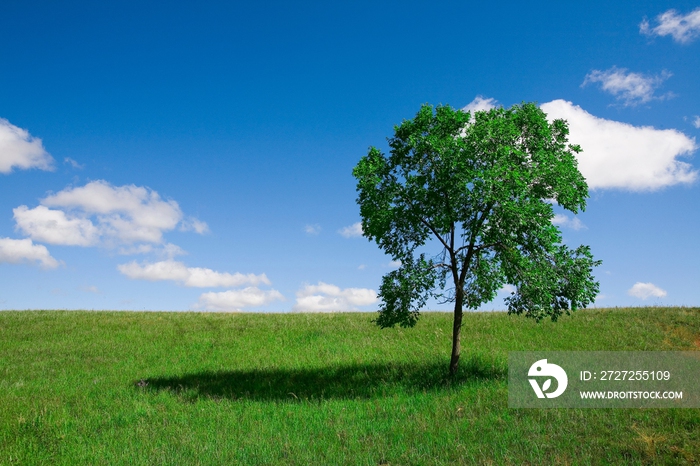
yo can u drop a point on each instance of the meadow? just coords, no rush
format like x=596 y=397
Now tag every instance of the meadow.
x=88 y=387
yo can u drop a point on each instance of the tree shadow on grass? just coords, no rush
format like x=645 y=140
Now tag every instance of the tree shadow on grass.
x=355 y=381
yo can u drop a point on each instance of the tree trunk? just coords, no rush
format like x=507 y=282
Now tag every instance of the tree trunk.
x=456 y=331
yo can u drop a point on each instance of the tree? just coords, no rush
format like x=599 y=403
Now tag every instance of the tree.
x=479 y=187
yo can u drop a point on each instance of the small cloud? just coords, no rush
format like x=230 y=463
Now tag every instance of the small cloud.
x=507 y=289
x=631 y=88
x=19 y=149
x=352 y=231
x=394 y=264
x=193 y=224
x=683 y=28
x=314 y=229
x=234 y=300
x=696 y=122
x=566 y=222
x=73 y=163
x=330 y=298
x=479 y=104
x=646 y=290
x=17 y=251
x=361 y=267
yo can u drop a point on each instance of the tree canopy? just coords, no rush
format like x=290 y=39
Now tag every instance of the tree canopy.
x=481 y=187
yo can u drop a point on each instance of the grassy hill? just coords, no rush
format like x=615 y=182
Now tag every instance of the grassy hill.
x=80 y=387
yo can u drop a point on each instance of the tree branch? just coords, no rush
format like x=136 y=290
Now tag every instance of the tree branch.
x=471 y=249
x=465 y=265
x=485 y=246
x=475 y=231
x=437 y=235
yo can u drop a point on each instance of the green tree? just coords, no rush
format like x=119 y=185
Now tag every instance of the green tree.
x=480 y=189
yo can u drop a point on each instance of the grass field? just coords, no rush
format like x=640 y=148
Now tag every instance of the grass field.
x=207 y=388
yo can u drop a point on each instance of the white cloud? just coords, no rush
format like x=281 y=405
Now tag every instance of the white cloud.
x=15 y=251
x=394 y=264
x=361 y=267
x=236 y=299
x=479 y=104
x=20 y=149
x=507 y=289
x=619 y=155
x=683 y=28
x=696 y=122
x=188 y=276
x=312 y=229
x=163 y=270
x=631 y=88
x=205 y=278
x=101 y=214
x=566 y=222
x=129 y=213
x=353 y=230
x=73 y=163
x=330 y=298
x=193 y=224
x=646 y=290
x=54 y=227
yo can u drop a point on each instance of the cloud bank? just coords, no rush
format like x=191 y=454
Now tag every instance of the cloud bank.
x=234 y=300
x=19 y=149
x=189 y=276
x=618 y=155
x=101 y=214
x=17 y=251
x=230 y=300
x=330 y=298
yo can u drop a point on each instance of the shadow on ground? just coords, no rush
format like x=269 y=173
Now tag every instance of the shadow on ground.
x=332 y=382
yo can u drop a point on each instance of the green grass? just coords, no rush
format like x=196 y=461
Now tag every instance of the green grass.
x=195 y=388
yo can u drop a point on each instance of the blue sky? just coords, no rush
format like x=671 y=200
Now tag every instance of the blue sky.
x=181 y=156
